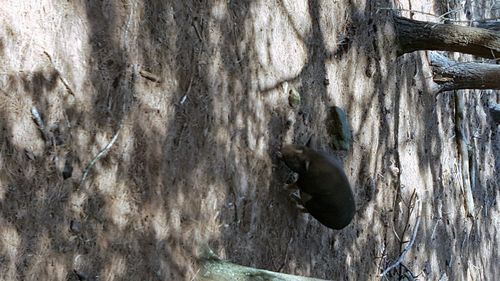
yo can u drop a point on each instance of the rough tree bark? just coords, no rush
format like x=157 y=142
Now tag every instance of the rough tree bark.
x=451 y=75
x=463 y=151
x=495 y=113
x=413 y=35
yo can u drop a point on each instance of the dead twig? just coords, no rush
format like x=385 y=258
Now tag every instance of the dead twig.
x=434 y=228
x=420 y=12
x=409 y=275
x=441 y=17
x=150 y=76
x=396 y=233
x=101 y=154
x=407 y=10
x=197 y=31
x=65 y=83
x=405 y=250
x=410 y=208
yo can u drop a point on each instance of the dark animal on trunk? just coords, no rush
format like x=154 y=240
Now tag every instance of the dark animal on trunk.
x=325 y=191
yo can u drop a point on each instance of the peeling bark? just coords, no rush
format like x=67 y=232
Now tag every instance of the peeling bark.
x=451 y=75
x=413 y=35
x=463 y=153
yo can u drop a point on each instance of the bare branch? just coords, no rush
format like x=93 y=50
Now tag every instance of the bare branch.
x=65 y=83
x=405 y=250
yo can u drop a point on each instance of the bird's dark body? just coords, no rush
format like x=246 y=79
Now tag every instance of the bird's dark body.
x=325 y=191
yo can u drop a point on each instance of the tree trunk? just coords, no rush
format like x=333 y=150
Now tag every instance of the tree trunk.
x=451 y=75
x=413 y=35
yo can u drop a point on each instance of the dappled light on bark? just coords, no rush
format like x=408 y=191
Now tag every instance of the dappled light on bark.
x=162 y=121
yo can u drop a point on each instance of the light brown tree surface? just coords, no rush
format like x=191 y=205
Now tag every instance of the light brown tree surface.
x=177 y=110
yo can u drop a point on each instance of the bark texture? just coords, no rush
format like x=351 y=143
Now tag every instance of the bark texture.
x=451 y=75
x=495 y=113
x=463 y=152
x=413 y=35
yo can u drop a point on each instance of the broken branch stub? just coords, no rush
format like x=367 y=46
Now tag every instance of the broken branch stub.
x=413 y=35
x=451 y=75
